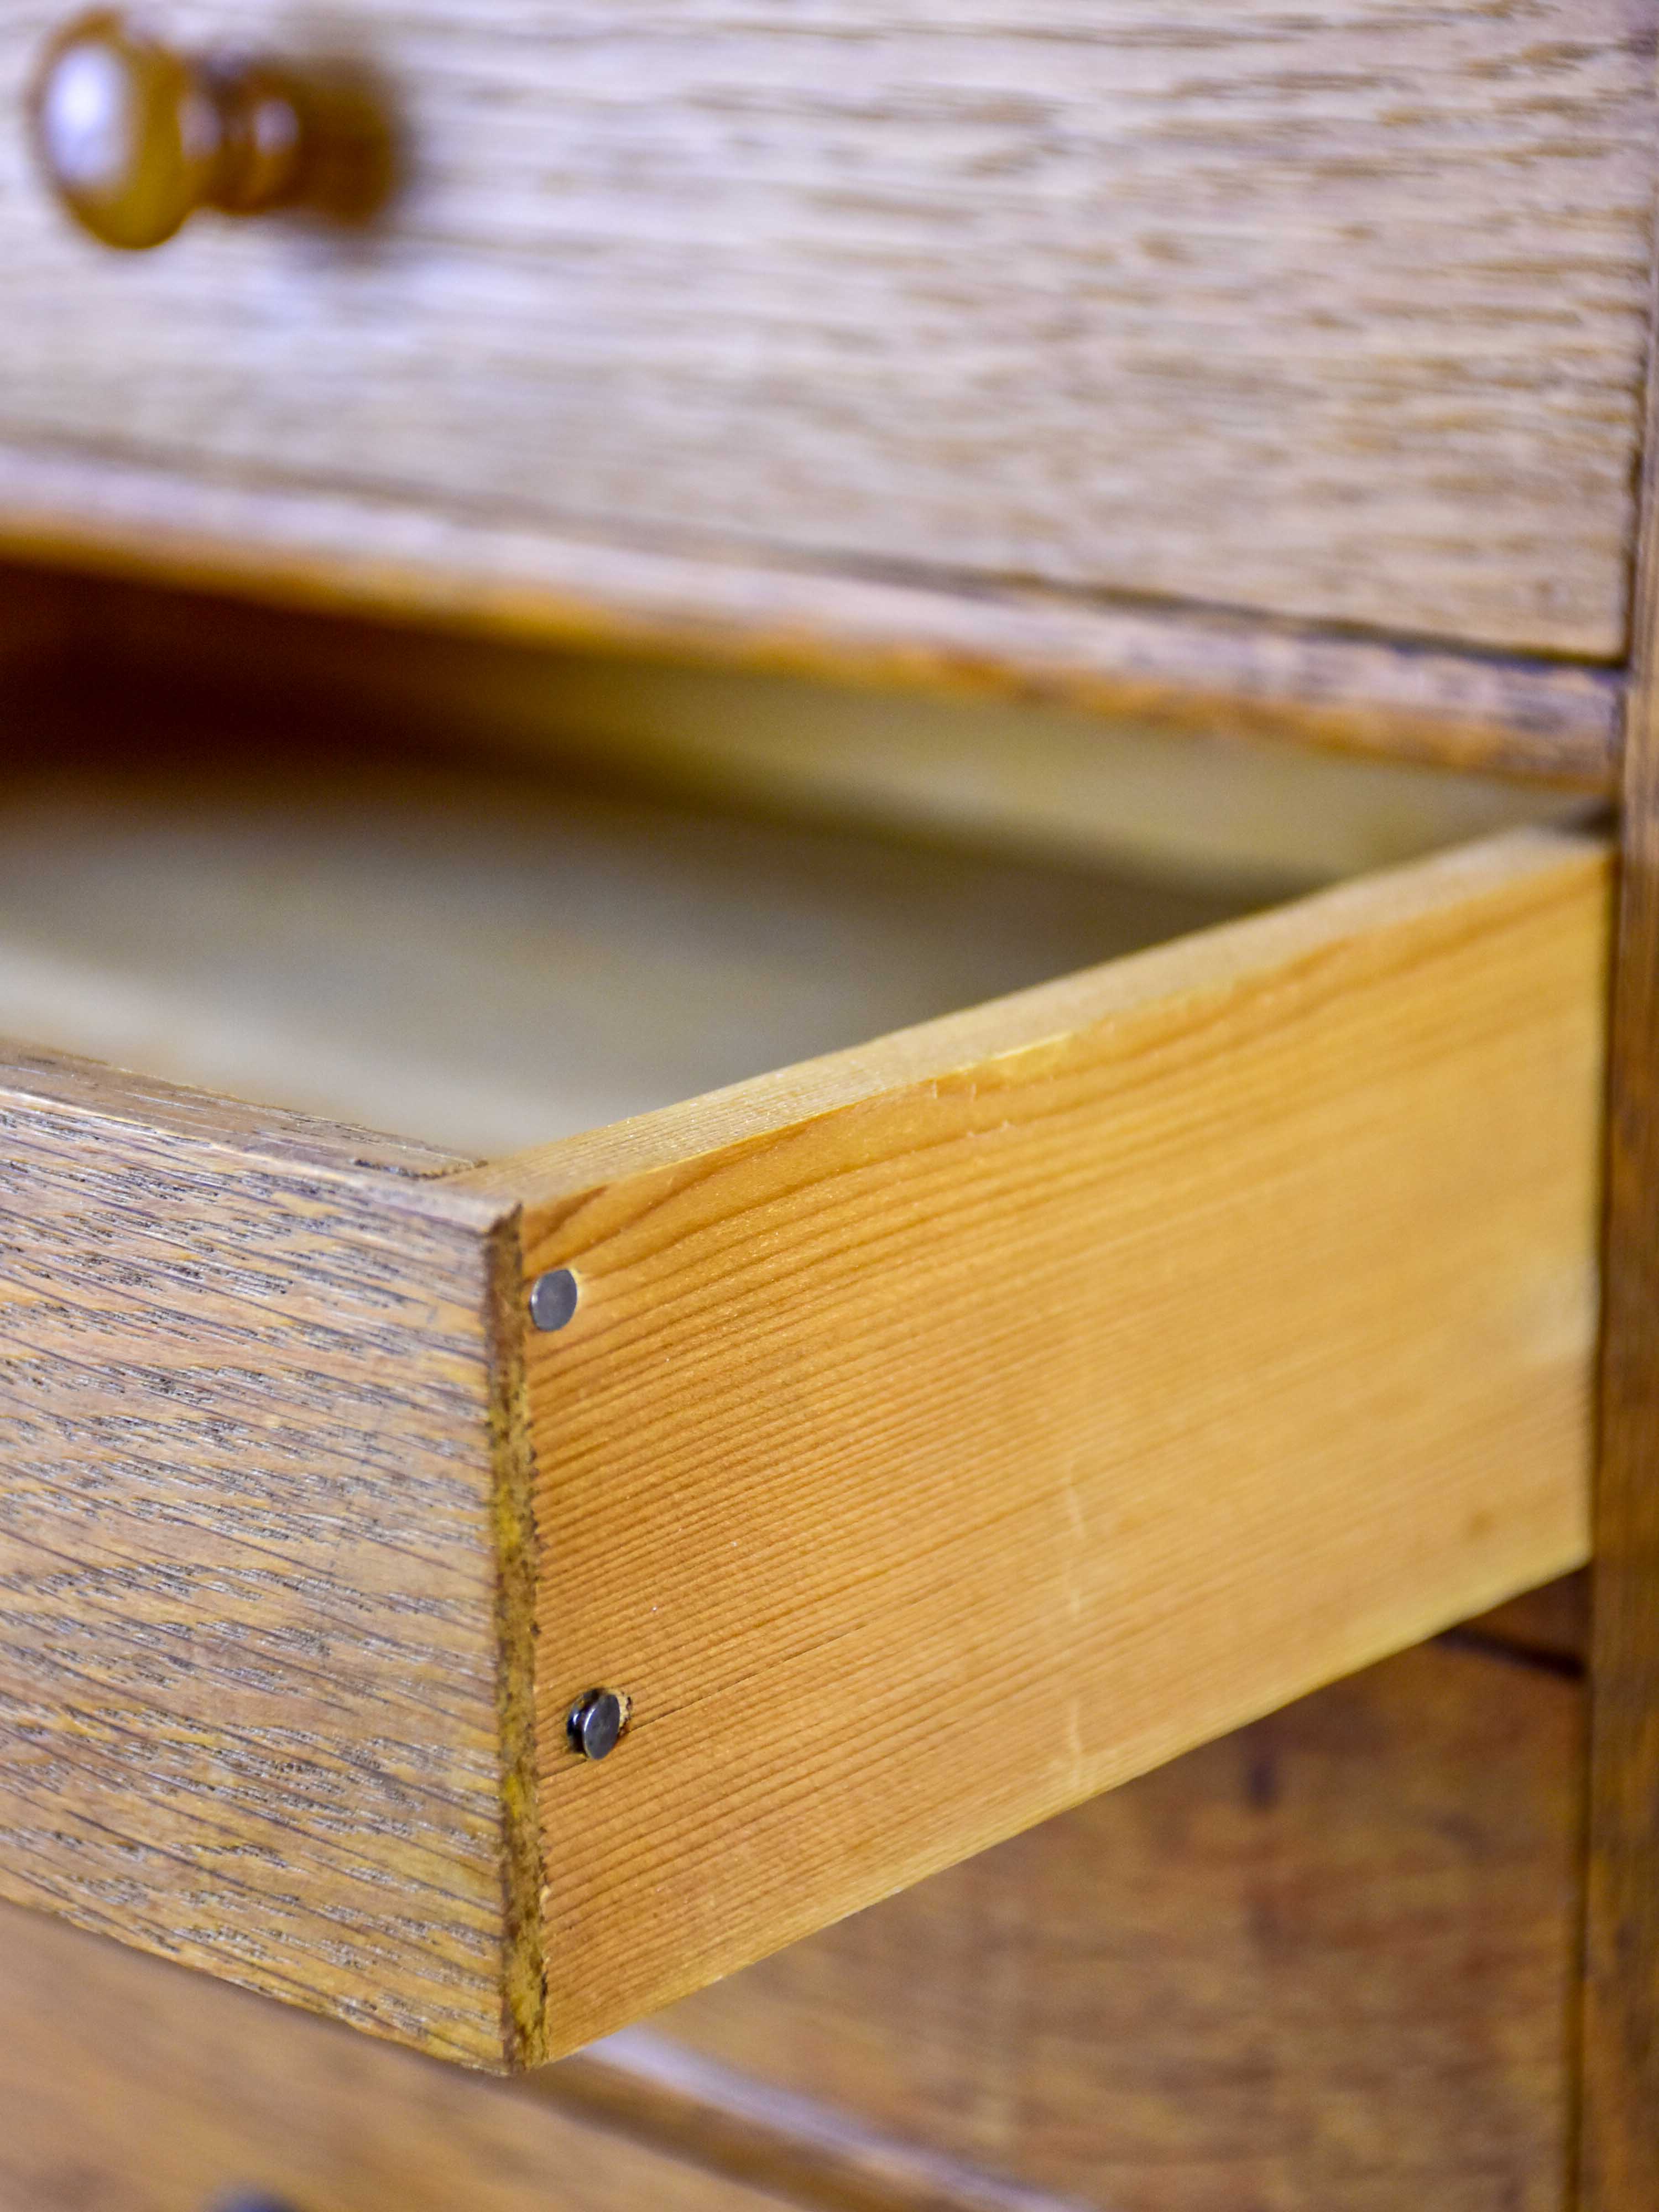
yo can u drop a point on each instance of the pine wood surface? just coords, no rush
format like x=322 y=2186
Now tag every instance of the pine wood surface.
x=959 y=1426
x=1326 y=1962
x=262 y=1645
x=1337 y=317
x=1620 y=2123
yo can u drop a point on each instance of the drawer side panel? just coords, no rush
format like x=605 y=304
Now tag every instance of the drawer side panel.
x=958 y=1427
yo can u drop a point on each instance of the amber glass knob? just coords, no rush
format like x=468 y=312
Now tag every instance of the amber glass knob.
x=133 y=137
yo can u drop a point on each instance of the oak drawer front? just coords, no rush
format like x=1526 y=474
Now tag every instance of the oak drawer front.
x=126 y=2083
x=1336 y=315
x=946 y=1430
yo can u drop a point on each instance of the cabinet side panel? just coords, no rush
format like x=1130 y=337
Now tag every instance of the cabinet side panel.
x=1620 y=2119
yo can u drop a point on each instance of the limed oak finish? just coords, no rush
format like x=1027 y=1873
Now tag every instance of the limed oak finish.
x=937 y=1431
x=264 y=1635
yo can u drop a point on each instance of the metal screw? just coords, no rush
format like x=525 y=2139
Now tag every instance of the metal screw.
x=595 y=1723
x=553 y=1299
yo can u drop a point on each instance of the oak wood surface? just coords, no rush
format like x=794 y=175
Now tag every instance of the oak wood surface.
x=1336 y=316
x=1180 y=669
x=127 y=2085
x=1325 y=1962
x=262 y=1642
x=1620 y=2123
x=962 y=1425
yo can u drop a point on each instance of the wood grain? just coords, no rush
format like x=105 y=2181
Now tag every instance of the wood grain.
x=1321 y=1962
x=1620 y=2123
x=959 y=1426
x=1211 y=804
x=264 y=1637
x=1335 y=315
x=168 y=1419
x=1182 y=670
x=127 y=2085
x=1326 y=1962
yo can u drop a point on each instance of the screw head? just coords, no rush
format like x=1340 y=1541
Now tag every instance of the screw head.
x=595 y=1723
x=553 y=1299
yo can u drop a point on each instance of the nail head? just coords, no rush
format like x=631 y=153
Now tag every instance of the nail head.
x=553 y=1299
x=595 y=1723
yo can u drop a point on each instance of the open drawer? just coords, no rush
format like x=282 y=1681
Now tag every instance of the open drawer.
x=919 y=1438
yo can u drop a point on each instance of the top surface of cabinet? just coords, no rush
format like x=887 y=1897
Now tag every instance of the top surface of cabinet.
x=1334 y=315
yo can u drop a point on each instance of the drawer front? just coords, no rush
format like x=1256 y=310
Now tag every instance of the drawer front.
x=947 y=1431
x=129 y=2085
x=1333 y=314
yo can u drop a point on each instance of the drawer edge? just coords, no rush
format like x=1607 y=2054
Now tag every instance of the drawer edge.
x=1183 y=666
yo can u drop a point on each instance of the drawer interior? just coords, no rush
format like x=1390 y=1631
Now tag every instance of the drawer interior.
x=491 y=961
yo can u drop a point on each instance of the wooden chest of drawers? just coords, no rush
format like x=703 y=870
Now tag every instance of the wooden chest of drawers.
x=868 y=1449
